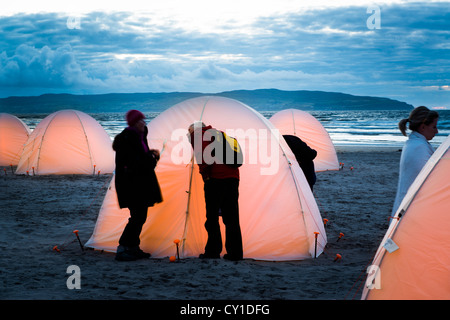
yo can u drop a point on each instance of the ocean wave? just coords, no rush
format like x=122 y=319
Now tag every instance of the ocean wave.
x=344 y=127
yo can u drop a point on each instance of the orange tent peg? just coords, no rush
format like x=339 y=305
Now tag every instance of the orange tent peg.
x=340 y=236
x=315 y=244
x=79 y=241
x=177 y=242
x=338 y=257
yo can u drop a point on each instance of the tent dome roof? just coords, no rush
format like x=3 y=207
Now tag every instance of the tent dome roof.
x=13 y=135
x=67 y=142
x=305 y=126
x=278 y=213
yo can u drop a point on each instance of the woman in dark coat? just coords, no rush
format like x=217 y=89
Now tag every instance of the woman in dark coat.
x=136 y=183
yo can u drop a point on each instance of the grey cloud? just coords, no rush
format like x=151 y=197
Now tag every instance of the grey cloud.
x=330 y=48
x=43 y=67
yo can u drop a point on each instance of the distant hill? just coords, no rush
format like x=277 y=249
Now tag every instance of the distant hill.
x=262 y=100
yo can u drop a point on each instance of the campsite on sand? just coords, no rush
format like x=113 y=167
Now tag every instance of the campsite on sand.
x=41 y=212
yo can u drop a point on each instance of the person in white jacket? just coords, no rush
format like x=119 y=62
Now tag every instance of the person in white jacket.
x=417 y=149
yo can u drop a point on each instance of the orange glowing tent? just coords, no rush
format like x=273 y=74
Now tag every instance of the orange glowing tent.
x=13 y=135
x=67 y=142
x=413 y=260
x=305 y=126
x=278 y=212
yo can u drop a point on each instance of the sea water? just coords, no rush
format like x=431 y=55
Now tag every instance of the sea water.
x=346 y=128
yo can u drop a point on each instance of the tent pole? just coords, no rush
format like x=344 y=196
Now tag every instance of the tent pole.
x=188 y=205
x=190 y=188
x=87 y=140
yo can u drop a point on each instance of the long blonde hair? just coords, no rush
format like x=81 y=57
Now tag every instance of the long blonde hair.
x=418 y=116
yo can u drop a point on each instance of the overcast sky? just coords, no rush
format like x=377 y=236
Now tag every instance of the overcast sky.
x=395 y=49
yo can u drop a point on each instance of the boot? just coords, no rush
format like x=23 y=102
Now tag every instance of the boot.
x=139 y=253
x=124 y=254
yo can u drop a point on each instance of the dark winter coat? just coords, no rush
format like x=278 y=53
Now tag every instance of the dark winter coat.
x=304 y=155
x=135 y=179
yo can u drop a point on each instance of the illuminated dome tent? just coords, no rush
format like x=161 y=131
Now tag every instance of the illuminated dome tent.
x=67 y=142
x=278 y=212
x=413 y=261
x=13 y=135
x=305 y=126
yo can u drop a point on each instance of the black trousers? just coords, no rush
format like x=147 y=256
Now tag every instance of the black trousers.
x=132 y=231
x=221 y=196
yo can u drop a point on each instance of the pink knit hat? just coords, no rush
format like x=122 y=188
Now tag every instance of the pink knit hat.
x=133 y=116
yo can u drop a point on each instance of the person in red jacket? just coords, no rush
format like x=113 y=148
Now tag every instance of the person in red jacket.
x=221 y=186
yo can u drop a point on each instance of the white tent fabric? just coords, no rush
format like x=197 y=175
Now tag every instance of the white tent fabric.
x=305 y=126
x=413 y=260
x=13 y=135
x=278 y=212
x=67 y=142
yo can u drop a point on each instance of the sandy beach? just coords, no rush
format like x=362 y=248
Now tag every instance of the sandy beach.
x=41 y=212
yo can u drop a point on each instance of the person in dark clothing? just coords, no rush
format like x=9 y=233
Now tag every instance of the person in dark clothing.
x=221 y=186
x=136 y=183
x=305 y=156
